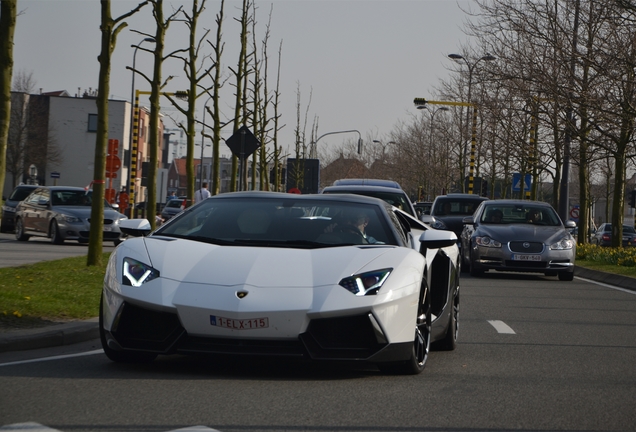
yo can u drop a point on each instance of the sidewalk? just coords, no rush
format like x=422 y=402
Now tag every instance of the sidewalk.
x=80 y=331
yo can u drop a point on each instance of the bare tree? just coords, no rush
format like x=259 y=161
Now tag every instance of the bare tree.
x=110 y=29
x=8 y=13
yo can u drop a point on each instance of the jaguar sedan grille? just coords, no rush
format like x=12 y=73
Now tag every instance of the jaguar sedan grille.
x=526 y=247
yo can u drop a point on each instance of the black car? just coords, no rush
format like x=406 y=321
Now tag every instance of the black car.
x=8 y=208
x=448 y=211
x=603 y=235
x=391 y=194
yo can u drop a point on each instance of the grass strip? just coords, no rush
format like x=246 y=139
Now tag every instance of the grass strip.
x=60 y=290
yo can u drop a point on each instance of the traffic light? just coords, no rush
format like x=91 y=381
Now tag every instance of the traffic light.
x=632 y=199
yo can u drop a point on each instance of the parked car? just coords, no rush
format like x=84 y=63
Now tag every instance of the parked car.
x=8 y=208
x=172 y=208
x=263 y=273
x=391 y=194
x=63 y=213
x=603 y=235
x=520 y=236
x=448 y=211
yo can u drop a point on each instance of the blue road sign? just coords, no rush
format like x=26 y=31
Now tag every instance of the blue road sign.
x=516 y=182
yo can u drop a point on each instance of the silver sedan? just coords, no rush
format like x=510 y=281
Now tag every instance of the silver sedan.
x=62 y=213
x=520 y=236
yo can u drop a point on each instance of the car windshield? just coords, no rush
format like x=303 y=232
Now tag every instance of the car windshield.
x=284 y=222
x=175 y=203
x=21 y=193
x=71 y=198
x=514 y=213
x=455 y=207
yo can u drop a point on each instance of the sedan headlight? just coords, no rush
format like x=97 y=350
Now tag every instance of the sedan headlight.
x=8 y=209
x=366 y=283
x=486 y=241
x=70 y=219
x=136 y=273
x=439 y=225
x=563 y=244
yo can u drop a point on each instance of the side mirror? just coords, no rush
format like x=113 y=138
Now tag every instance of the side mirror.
x=427 y=219
x=468 y=220
x=135 y=227
x=570 y=224
x=436 y=239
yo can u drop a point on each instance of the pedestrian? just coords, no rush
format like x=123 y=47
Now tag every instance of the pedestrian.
x=202 y=193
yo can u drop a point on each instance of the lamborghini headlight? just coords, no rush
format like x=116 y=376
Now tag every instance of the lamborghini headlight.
x=136 y=273
x=487 y=242
x=366 y=283
x=563 y=244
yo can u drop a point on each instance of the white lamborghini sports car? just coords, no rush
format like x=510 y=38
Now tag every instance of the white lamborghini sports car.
x=321 y=277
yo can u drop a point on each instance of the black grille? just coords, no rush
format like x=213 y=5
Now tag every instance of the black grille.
x=532 y=247
x=107 y=235
x=341 y=338
x=144 y=329
x=205 y=345
x=527 y=264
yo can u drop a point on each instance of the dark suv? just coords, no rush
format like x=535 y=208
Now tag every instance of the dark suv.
x=448 y=211
x=8 y=208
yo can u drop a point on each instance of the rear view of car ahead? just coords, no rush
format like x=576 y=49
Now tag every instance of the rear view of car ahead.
x=172 y=208
x=62 y=213
x=520 y=236
x=8 y=208
x=386 y=190
x=603 y=235
x=298 y=276
x=448 y=211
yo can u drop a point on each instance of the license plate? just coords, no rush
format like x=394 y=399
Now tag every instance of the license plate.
x=526 y=257
x=239 y=324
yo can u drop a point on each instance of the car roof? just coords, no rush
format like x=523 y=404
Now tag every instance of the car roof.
x=367 y=182
x=363 y=199
x=460 y=195
x=518 y=202
x=354 y=187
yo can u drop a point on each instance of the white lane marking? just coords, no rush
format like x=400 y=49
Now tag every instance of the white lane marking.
x=606 y=285
x=501 y=327
x=99 y=351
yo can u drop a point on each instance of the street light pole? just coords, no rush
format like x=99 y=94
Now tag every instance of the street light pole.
x=430 y=144
x=313 y=151
x=471 y=68
x=205 y=108
x=131 y=186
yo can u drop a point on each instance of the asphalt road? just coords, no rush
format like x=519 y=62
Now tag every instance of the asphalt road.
x=14 y=253
x=534 y=354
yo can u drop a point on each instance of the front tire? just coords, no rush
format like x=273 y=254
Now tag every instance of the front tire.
x=120 y=356
x=56 y=237
x=421 y=343
x=449 y=343
x=19 y=231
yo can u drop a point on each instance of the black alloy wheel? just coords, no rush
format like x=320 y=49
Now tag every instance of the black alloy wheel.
x=421 y=342
x=19 y=231
x=449 y=342
x=56 y=237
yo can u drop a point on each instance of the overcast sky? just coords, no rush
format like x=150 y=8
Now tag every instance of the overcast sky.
x=363 y=61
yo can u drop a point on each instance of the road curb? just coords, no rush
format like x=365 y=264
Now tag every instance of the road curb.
x=45 y=337
x=620 y=281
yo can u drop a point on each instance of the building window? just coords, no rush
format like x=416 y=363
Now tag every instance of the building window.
x=92 y=123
